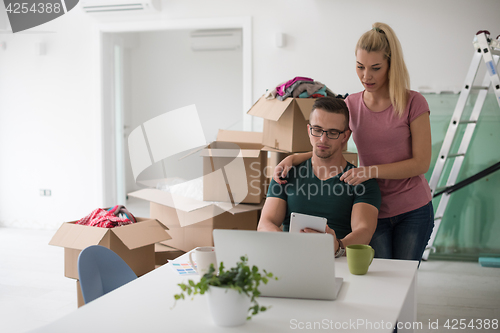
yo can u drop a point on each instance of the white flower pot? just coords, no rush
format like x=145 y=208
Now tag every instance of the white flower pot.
x=228 y=307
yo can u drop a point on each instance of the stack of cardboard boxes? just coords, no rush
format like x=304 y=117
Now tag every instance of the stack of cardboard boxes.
x=237 y=169
x=233 y=191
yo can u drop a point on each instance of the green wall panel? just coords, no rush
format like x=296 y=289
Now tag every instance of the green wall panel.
x=471 y=224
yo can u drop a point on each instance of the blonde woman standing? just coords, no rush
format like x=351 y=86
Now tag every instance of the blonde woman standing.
x=391 y=129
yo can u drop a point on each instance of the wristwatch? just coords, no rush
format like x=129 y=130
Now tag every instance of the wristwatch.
x=341 y=250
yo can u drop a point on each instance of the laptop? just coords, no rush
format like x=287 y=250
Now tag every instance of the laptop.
x=304 y=263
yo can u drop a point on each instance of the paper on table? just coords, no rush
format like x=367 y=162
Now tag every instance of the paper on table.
x=183 y=268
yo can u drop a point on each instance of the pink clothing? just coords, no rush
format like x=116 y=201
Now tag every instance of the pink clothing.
x=383 y=137
x=281 y=89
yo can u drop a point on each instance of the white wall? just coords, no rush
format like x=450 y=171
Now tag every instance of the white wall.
x=49 y=124
x=436 y=36
x=49 y=105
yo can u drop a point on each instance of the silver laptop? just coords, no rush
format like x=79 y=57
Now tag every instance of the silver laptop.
x=304 y=263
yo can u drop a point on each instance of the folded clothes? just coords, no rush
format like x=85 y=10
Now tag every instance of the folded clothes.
x=289 y=91
x=282 y=88
x=317 y=96
x=300 y=87
x=271 y=93
x=309 y=88
x=321 y=91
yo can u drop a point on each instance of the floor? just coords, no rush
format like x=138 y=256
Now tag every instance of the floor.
x=34 y=291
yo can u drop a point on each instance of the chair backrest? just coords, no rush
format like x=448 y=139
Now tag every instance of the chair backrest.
x=100 y=271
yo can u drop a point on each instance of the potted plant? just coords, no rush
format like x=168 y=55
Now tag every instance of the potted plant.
x=231 y=293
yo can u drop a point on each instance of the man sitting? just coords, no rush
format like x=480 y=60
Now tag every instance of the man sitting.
x=314 y=188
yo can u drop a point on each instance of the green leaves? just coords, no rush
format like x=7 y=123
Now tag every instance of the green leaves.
x=241 y=278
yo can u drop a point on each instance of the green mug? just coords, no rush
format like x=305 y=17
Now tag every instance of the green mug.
x=359 y=258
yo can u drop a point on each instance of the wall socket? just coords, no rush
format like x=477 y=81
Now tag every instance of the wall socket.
x=45 y=193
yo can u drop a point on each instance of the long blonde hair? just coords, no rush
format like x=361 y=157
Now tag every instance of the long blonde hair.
x=382 y=38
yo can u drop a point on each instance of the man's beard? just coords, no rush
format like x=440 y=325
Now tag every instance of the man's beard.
x=323 y=154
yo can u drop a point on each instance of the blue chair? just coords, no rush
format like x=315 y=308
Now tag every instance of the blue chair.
x=100 y=271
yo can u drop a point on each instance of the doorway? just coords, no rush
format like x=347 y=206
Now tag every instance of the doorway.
x=149 y=71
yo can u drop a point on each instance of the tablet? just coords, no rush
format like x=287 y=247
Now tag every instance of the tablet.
x=302 y=221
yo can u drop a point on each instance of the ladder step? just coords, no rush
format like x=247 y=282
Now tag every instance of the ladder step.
x=438 y=218
x=480 y=87
x=468 y=122
x=455 y=155
x=439 y=189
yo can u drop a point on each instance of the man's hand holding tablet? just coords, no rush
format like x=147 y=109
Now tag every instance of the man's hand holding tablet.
x=311 y=224
x=299 y=222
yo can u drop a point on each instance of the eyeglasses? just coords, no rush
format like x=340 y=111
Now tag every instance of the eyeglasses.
x=330 y=134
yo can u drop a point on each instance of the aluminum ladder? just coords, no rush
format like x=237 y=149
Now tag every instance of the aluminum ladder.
x=489 y=51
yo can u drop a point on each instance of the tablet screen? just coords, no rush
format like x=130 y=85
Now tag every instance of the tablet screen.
x=301 y=221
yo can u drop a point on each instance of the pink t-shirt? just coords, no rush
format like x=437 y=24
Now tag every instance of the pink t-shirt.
x=383 y=137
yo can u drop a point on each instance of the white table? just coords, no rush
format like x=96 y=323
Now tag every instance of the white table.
x=366 y=303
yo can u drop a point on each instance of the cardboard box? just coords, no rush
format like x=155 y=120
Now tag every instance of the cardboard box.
x=190 y=222
x=164 y=253
x=134 y=243
x=285 y=122
x=225 y=161
x=240 y=137
x=200 y=234
x=351 y=157
x=274 y=157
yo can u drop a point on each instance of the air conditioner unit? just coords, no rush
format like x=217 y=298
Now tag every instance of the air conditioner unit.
x=214 y=40
x=103 y=7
